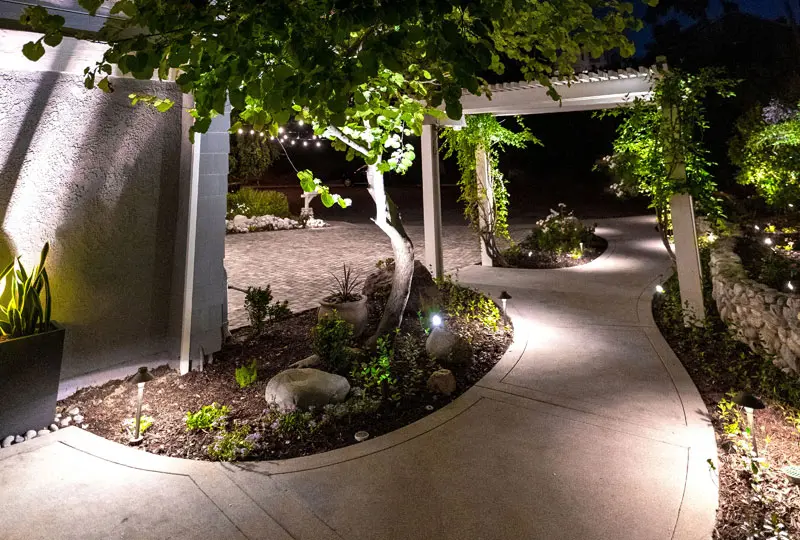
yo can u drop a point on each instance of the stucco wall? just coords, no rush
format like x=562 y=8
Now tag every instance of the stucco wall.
x=764 y=318
x=100 y=180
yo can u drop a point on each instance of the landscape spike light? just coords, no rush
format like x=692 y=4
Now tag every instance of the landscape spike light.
x=140 y=378
x=300 y=122
x=660 y=289
x=768 y=241
x=750 y=403
x=504 y=298
x=436 y=320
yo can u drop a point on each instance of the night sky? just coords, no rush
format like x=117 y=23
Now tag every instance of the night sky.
x=770 y=9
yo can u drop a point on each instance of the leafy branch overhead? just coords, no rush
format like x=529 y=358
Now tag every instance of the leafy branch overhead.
x=275 y=60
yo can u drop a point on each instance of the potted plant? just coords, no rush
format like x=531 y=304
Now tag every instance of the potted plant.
x=31 y=347
x=346 y=302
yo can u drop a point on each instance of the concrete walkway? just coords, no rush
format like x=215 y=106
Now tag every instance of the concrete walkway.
x=588 y=428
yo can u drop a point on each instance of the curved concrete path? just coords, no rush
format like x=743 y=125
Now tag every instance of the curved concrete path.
x=588 y=428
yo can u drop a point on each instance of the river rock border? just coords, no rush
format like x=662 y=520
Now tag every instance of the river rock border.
x=762 y=317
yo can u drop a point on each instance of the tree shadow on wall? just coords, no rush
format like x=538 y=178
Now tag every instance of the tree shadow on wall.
x=115 y=246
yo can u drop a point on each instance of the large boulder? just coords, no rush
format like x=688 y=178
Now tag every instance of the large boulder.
x=423 y=289
x=448 y=348
x=306 y=387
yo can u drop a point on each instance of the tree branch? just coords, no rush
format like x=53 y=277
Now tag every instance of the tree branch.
x=336 y=132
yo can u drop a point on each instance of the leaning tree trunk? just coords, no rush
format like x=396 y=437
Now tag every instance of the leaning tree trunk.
x=387 y=218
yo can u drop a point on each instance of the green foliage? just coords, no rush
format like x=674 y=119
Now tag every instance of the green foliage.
x=484 y=131
x=145 y=423
x=26 y=313
x=251 y=202
x=659 y=139
x=246 y=375
x=346 y=287
x=330 y=339
x=231 y=445
x=260 y=308
x=208 y=417
x=768 y=156
x=471 y=305
x=560 y=233
x=297 y=424
x=251 y=156
x=375 y=374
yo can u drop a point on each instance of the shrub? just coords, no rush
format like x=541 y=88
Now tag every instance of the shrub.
x=28 y=309
x=468 y=304
x=330 y=339
x=296 y=423
x=250 y=202
x=559 y=233
x=375 y=374
x=246 y=375
x=208 y=417
x=259 y=307
x=231 y=445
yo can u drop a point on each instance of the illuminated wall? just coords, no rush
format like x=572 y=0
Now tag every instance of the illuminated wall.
x=101 y=181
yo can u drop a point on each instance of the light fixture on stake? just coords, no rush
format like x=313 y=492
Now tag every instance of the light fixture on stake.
x=504 y=298
x=436 y=320
x=750 y=403
x=140 y=378
x=660 y=289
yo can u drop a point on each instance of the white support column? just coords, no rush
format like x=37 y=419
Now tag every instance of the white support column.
x=431 y=200
x=191 y=242
x=687 y=257
x=485 y=194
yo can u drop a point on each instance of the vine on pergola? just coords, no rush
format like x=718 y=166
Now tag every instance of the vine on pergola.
x=486 y=212
x=364 y=74
x=661 y=138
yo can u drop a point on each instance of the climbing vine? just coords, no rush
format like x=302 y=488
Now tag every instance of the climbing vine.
x=658 y=138
x=484 y=130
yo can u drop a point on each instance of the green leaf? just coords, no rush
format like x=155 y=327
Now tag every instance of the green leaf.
x=105 y=86
x=52 y=39
x=327 y=199
x=33 y=50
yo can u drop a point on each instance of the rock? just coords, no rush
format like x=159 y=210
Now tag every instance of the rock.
x=30 y=434
x=448 y=348
x=18 y=439
x=78 y=418
x=53 y=427
x=65 y=421
x=240 y=221
x=73 y=411
x=58 y=417
x=442 y=381
x=306 y=387
x=8 y=441
x=42 y=432
x=423 y=288
x=311 y=361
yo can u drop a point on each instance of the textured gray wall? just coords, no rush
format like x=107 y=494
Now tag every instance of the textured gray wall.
x=101 y=181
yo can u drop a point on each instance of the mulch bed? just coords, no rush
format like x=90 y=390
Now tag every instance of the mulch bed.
x=170 y=396
x=548 y=260
x=719 y=366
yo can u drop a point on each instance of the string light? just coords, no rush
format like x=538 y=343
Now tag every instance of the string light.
x=305 y=143
x=252 y=132
x=659 y=289
x=262 y=134
x=293 y=141
x=240 y=131
x=790 y=286
x=299 y=122
x=319 y=143
x=768 y=241
x=757 y=227
x=280 y=130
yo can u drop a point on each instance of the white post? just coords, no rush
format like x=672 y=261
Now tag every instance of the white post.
x=431 y=201
x=687 y=255
x=191 y=240
x=485 y=195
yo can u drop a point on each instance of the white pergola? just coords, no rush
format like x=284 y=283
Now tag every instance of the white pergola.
x=585 y=92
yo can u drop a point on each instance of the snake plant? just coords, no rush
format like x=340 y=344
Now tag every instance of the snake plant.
x=26 y=313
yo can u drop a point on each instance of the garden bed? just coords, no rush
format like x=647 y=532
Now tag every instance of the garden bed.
x=755 y=495
x=275 y=435
x=768 y=253
x=538 y=259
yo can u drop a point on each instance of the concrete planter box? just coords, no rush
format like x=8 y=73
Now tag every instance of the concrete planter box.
x=356 y=313
x=30 y=369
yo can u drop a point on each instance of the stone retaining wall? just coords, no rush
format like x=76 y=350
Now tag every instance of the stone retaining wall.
x=764 y=318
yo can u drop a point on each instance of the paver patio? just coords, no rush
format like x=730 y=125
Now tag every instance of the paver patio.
x=297 y=264
x=588 y=428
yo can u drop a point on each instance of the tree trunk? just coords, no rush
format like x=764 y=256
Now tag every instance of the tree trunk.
x=663 y=229
x=387 y=218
